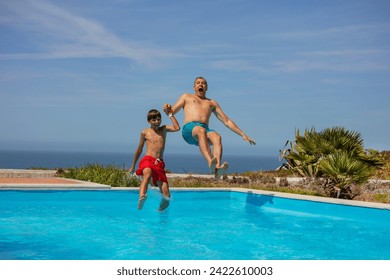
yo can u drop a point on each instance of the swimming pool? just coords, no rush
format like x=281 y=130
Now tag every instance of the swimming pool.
x=198 y=225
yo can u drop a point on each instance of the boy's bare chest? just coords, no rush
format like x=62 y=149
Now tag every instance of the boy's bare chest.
x=155 y=137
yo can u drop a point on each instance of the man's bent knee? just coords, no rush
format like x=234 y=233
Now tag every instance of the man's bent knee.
x=198 y=130
x=214 y=137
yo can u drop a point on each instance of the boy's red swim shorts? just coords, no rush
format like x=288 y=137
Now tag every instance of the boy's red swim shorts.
x=157 y=166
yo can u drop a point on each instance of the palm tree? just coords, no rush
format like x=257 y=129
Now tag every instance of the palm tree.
x=335 y=154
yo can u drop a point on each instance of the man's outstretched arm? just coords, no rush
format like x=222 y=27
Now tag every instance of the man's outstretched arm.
x=230 y=124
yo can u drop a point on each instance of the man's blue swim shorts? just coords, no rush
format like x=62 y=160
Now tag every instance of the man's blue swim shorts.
x=187 y=132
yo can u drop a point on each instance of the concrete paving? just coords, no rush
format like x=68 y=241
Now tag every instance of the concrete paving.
x=11 y=179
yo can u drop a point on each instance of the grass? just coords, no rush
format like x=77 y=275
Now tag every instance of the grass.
x=236 y=182
x=381 y=198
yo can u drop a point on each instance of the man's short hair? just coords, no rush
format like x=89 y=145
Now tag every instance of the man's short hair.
x=202 y=79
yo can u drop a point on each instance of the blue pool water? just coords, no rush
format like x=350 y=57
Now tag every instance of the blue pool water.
x=200 y=225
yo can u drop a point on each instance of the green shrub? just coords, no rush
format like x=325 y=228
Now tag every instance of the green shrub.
x=384 y=172
x=333 y=153
x=107 y=175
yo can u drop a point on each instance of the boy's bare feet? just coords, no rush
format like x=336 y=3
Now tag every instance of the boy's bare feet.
x=141 y=201
x=164 y=204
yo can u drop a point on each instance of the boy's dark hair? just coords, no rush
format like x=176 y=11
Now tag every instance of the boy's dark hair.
x=153 y=114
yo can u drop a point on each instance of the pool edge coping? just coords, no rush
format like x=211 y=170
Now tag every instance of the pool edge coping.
x=366 y=204
x=86 y=186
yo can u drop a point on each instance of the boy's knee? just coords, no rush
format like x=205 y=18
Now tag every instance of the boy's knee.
x=147 y=173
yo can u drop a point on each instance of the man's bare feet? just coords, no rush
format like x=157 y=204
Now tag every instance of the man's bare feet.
x=221 y=170
x=141 y=201
x=212 y=165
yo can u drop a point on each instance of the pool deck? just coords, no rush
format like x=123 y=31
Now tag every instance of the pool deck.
x=21 y=179
x=13 y=179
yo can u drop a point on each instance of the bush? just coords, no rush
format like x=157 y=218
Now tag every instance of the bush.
x=107 y=175
x=384 y=172
x=336 y=154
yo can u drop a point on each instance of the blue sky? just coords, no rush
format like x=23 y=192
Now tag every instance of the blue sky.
x=81 y=75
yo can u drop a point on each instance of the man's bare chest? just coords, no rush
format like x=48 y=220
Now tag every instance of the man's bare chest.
x=197 y=104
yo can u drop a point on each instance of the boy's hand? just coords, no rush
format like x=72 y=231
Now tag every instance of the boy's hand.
x=167 y=109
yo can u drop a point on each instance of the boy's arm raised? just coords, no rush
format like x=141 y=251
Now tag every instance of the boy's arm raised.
x=175 y=126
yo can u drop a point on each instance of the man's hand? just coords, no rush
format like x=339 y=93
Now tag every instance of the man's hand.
x=249 y=140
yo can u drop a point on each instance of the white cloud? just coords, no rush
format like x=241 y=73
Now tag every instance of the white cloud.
x=338 y=30
x=63 y=34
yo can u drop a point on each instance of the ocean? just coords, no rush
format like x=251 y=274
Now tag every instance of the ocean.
x=175 y=163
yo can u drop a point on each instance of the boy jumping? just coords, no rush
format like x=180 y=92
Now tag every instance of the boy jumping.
x=152 y=166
